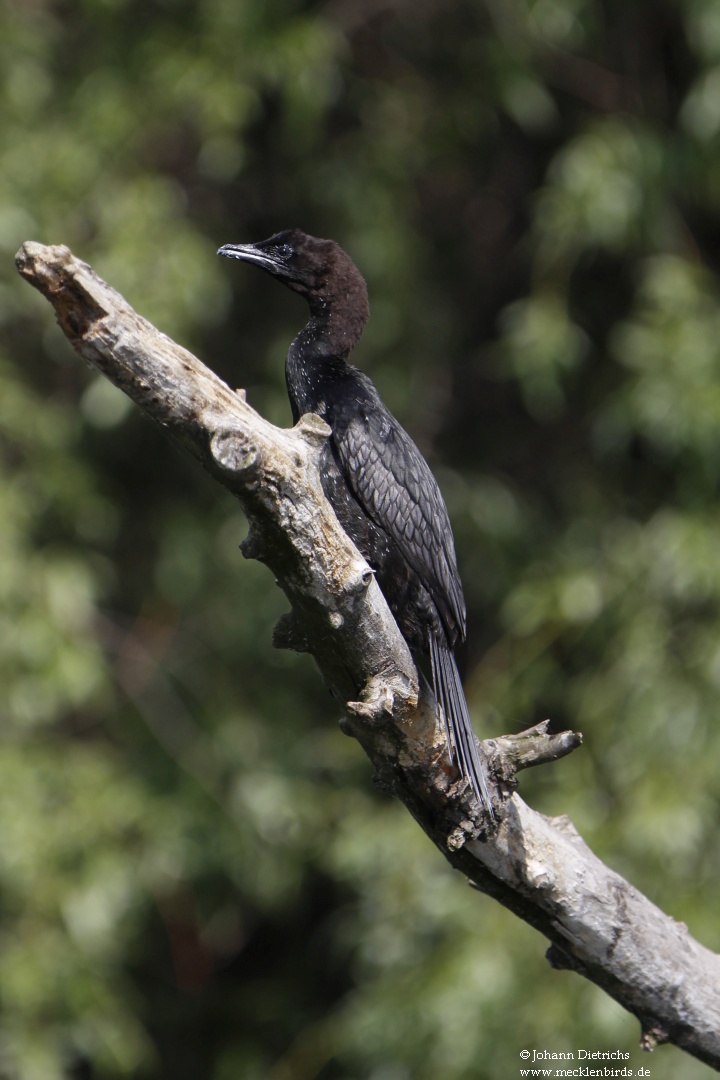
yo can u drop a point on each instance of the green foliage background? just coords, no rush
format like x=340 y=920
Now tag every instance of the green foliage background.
x=197 y=880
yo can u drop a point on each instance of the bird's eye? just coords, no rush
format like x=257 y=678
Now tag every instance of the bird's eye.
x=284 y=251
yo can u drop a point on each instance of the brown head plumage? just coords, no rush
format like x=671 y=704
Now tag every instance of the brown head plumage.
x=317 y=269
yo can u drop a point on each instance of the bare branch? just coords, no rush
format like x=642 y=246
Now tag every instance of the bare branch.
x=598 y=924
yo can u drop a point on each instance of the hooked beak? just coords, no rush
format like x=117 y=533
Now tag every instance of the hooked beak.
x=276 y=255
x=249 y=253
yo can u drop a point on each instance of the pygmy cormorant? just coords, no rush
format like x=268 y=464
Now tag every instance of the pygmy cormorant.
x=376 y=479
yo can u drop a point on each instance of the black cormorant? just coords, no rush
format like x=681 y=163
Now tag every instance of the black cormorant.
x=376 y=479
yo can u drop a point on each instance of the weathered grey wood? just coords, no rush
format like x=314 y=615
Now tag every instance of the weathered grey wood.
x=597 y=923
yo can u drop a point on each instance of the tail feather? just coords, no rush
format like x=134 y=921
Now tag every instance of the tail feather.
x=450 y=699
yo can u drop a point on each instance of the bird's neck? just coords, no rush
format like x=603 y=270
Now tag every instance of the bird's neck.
x=318 y=355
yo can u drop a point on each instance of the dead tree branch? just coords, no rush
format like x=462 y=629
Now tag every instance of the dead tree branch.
x=598 y=924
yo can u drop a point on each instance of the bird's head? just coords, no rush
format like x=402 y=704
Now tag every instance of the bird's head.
x=317 y=269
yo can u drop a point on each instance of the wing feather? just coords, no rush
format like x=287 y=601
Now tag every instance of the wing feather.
x=393 y=483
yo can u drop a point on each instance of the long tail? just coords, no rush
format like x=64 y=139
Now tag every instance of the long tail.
x=450 y=699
